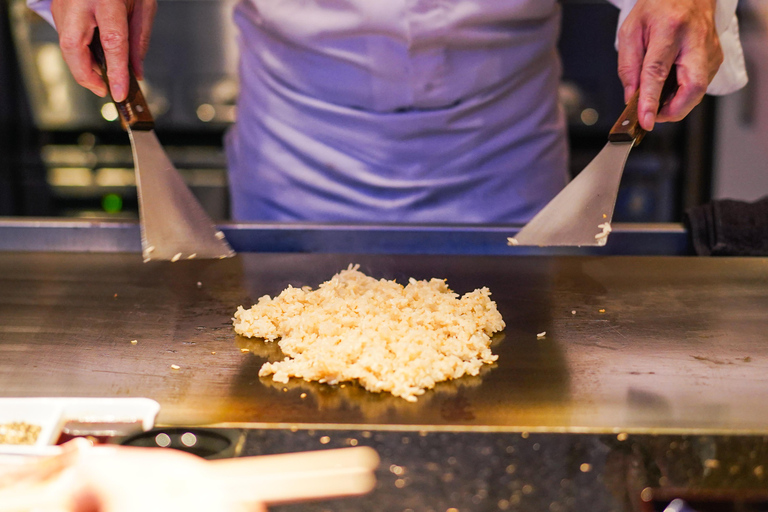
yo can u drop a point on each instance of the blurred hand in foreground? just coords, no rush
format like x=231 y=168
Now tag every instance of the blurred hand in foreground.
x=117 y=479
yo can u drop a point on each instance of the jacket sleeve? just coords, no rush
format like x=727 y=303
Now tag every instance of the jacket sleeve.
x=732 y=74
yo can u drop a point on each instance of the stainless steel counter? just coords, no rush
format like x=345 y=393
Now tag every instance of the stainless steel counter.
x=633 y=344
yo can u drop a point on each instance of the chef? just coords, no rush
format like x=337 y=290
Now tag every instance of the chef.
x=412 y=110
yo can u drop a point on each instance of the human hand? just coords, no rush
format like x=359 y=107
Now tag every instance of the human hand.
x=124 y=26
x=119 y=479
x=658 y=34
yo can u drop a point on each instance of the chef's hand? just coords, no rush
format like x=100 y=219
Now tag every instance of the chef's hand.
x=124 y=26
x=658 y=34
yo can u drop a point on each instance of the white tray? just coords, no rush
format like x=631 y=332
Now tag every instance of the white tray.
x=52 y=413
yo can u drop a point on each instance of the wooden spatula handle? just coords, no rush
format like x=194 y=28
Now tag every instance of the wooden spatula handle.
x=134 y=111
x=627 y=127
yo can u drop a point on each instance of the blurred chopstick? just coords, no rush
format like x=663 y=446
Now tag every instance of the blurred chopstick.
x=293 y=477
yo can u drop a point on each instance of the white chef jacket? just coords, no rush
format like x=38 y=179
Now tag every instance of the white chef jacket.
x=406 y=110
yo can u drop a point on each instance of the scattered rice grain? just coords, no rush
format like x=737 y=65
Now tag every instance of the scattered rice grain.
x=606 y=227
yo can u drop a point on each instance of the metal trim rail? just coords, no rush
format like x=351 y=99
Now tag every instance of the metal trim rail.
x=68 y=235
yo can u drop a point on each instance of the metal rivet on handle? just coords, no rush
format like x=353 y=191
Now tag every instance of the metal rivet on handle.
x=140 y=109
x=625 y=122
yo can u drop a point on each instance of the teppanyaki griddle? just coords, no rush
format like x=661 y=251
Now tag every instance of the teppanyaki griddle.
x=644 y=344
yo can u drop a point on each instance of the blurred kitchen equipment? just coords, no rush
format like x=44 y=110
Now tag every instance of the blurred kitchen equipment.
x=173 y=224
x=206 y=443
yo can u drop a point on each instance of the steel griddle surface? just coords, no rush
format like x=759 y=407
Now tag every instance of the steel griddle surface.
x=655 y=344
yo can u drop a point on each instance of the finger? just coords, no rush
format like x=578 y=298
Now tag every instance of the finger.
x=661 y=54
x=43 y=469
x=75 y=26
x=140 y=28
x=696 y=66
x=112 y=19
x=631 y=52
x=692 y=86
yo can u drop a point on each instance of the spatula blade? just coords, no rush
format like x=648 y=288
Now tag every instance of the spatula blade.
x=173 y=224
x=581 y=213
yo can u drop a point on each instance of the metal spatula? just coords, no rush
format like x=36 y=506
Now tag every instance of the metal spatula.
x=173 y=224
x=581 y=213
